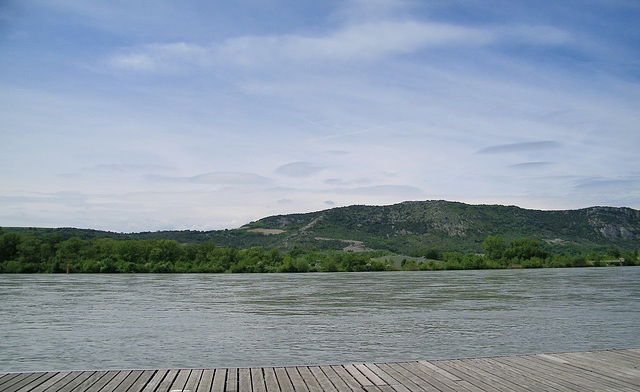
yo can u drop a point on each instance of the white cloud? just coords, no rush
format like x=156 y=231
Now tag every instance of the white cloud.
x=359 y=42
x=371 y=102
x=215 y=178
x=520 y=147
x=167 y=57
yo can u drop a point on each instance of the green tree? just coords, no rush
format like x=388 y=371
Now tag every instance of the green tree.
x=9 y=247
x=494 y=247
x=165 y=251
x=525 y=249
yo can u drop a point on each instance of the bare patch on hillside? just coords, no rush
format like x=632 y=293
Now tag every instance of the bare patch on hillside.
x=266 y=231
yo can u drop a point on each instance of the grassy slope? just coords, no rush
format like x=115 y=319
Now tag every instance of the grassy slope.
x=404 y=227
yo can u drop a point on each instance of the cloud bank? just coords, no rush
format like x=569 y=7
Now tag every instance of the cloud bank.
x=145 y=116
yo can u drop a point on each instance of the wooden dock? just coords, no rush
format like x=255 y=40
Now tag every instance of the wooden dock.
x=609 y=370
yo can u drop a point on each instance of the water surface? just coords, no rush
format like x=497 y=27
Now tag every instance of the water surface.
x=64 y=322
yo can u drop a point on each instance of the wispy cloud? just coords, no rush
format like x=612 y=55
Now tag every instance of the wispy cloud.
x=354 y=42
x=364 y=41
x=161 y=57
x=215 y=178
x=530 y=165
x=124 y=168
x=520 y=147
x=164 y=115
x=609 y=183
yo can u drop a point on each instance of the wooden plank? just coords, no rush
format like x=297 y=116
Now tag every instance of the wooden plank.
x=47 y=379
x=584 y=371
x=283 y=380
x=193 y=380
x=381 y=374
x=30 y=381
x=487 y=372
x=351 y=381
x=600 y=358
x=232 y=380
x=604 y=364
x=84 y=383
x=586 y=360
x=478 y=382
x=370 y=375
x=616 y=372
x=244 y=380
x=578 y=375
x=128 y=381
x=180 y=380
x=361 y=378
x=257 y=380
x=7 y=377
x=156 y=381
x=403 y=377
x=572 y=373
x=61 y=383
x=568 y=382
x=312 y=384
x=102 y=381
x=630 y=352
x=271 y=380
x=324 y=381
x=626 y=355
x=436 y=379
x=213 y=380
x=379 y=388
x=336 y=380
x=166 y=382
x=413 y=371
x=296 y=380
x=527 y=364
x=433 y=366
x=388 y=378
x=143 y=379
x=528 y=379
x=505 y=376
x=116 y=380
x=18 y=377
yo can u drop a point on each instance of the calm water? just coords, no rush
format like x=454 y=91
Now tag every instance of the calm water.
x=63 y=322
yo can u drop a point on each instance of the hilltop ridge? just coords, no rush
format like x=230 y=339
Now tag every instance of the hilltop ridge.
x=461 y=227
x=410 y=225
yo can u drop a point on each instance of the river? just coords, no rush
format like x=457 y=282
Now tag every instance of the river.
x=80 y=322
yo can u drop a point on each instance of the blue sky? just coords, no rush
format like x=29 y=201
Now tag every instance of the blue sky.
x=144 y=115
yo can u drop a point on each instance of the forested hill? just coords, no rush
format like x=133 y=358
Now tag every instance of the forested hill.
x=405 y=227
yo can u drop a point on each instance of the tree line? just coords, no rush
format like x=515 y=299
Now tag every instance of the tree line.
x=52 y=254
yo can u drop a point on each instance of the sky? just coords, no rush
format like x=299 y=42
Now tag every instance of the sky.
x=145 y=115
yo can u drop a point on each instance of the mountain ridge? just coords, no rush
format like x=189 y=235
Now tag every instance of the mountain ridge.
x=410 y=225
x=459 y=226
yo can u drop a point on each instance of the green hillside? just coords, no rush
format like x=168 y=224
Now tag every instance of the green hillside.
x=453 y=226
x=406 y=227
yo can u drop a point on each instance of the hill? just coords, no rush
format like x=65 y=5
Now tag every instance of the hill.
x=408 y=226
x=459 y=227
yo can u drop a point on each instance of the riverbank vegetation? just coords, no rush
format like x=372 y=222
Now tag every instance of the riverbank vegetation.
x=36 y=254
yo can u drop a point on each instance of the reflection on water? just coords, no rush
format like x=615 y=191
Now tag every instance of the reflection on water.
x=59 y=322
